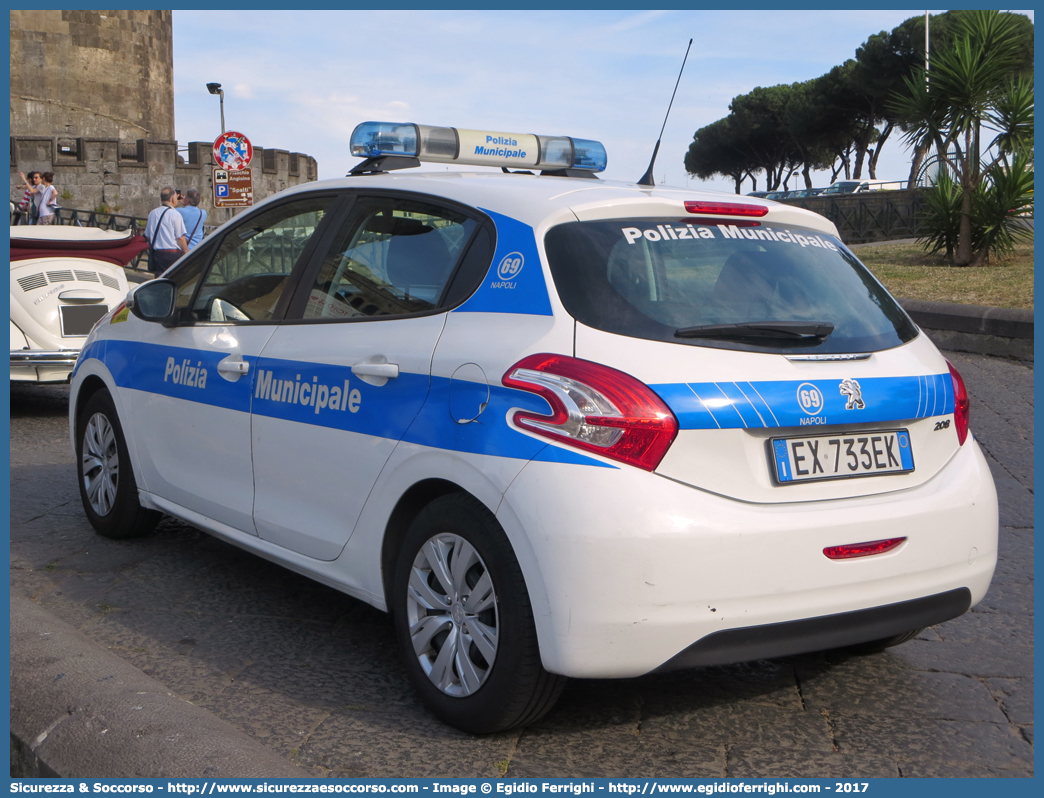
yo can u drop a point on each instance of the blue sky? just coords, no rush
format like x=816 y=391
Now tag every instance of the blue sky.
x=301 y=81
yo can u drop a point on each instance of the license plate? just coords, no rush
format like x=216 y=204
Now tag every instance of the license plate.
x=79 y=319
x=856 y=454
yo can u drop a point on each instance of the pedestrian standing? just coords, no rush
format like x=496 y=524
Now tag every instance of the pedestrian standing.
x=46 y=199
x=194 y=217
x=165 y=232
x=25 y=207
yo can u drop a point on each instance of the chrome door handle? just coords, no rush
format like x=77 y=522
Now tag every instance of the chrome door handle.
x=233 y=367
x=387 y=371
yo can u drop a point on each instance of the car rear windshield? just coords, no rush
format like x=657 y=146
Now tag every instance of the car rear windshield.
x=755 y=287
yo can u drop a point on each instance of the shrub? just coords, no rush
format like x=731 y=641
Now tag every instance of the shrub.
x=999 y=208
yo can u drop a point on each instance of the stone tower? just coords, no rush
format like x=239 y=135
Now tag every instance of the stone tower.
x=94 y=74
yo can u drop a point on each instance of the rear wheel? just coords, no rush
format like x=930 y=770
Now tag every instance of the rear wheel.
x=107 y=487
x=464 y=621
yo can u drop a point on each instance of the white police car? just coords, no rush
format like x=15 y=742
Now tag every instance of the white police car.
x=556 y=426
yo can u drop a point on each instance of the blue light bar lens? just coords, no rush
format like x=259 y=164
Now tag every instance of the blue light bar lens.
x=589 y=155
x=373 y=139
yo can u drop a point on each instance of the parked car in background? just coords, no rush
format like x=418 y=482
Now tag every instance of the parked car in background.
x=63 y=280
x=793 y=193
x=758 y=194
x=806 y=192
x=860 y=186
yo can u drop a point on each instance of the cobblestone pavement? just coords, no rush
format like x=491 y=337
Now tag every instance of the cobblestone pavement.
x=315 y=675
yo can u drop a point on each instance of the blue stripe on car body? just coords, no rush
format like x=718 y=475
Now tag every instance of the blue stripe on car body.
x=770 y=404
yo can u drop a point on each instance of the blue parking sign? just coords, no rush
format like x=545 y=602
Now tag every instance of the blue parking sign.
x=221 y=190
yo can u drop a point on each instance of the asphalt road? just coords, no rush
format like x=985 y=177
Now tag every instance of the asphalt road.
x=315 y=675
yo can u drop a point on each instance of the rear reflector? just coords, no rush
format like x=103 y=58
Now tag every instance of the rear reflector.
x=725 y=208
x=861 y=549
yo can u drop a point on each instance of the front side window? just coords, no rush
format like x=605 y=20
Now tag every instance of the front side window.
x=392 y=257
x=251 y=268
x=757 y=287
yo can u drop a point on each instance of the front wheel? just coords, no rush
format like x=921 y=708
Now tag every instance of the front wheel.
x=107 y=487
x=464 y=621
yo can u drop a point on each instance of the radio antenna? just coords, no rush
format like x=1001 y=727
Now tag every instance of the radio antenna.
x=647 y=178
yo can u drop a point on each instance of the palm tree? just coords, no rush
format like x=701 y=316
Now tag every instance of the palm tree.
x=974 y=87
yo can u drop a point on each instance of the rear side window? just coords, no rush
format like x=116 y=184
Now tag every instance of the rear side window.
x=654 y=278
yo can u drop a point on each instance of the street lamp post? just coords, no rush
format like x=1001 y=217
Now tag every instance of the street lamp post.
x=215 y=88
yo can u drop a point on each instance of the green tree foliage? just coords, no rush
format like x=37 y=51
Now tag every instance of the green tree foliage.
x=759 y=119
x=972 y=94
x=714 y=152
x=843 y=119
x=1000 y=208
x=1002 y=205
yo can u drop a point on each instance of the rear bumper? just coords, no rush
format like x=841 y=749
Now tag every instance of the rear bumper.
x=819 y=634
x=61 y=357
x=40 y=365
x=629 y=572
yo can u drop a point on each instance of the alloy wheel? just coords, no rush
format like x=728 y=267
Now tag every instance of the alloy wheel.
x=451 y=608
x=100 y=464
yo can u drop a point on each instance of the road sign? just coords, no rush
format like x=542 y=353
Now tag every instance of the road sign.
x=233 y=151
x=232 y=189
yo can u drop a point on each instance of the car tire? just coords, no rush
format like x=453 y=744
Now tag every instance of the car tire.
x=107 y=487
x=877 y=646
x=465 y=623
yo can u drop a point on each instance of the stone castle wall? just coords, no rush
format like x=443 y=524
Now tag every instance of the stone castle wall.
x=92 y=100
x=99 y=171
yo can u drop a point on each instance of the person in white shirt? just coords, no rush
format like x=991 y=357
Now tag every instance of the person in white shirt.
x=165 y=232
x=45 y=197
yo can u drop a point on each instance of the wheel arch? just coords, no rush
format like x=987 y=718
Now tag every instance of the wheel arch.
x=89 y=378
x=415 y=499
x=91 y=384
x=424 y=491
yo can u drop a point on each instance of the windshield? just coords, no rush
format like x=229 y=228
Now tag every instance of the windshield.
x=697 y=283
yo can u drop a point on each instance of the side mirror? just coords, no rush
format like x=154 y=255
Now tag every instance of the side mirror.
x=153 y=301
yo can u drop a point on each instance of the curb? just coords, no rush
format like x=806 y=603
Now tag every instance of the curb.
x=1003 y=332
x=78 y=710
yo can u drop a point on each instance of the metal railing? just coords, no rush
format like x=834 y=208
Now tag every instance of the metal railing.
x=870 y=215
x=84 y=218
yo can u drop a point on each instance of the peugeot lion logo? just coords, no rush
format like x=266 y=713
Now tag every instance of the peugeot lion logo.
x=851 y=389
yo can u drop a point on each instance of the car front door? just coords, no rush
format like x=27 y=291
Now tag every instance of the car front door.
x=338 y=385
x=190 y=404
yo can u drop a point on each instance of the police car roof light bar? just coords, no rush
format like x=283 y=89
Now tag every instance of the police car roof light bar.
x=373 y=140
x=647 y=178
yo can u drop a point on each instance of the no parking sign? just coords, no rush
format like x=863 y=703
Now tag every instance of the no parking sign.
x=233 y=151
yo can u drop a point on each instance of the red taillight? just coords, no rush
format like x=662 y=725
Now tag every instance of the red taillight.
x=861 y=549
x=595 y=408
x=725 y=208
x=961 y=405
